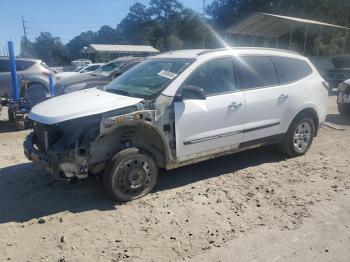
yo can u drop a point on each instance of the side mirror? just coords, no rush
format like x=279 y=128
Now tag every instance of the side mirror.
x=191 y=92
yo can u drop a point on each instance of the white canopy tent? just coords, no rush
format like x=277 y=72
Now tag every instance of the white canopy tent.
x=274 y=26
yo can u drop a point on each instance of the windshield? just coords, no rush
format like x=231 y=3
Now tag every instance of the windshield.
x=148 y=79
x=106 y=69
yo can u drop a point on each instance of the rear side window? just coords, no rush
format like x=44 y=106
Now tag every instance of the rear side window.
x=255 y=72
x=5 y=66
x=22 y=65
x=290 y=69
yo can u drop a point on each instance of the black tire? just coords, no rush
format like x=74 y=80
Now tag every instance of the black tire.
x=11 y=116
x=293 y=146
x=344 y=109
x=20 y=125
x=131 y=174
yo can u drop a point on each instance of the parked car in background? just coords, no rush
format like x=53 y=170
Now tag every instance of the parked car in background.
x=323 y=64
x=343 y=100
x=99 y=77
x=33 y=70
x=341 y=71
x=179 y=108
x=83 y=69
x=81 y=62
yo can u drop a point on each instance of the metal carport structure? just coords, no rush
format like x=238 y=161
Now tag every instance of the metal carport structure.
x=121 y=49
x=275 y=26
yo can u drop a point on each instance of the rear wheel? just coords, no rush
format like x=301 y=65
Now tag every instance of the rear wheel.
x=130 y=175
x=299 y=136
x=344 y=109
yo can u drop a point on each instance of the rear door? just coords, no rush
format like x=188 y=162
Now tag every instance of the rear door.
x=267 y=102
x=205 y=127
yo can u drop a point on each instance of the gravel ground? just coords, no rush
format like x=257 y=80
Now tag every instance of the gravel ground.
x=251 y=206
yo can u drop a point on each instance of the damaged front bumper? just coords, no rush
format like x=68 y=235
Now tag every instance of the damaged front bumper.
x=61 y=164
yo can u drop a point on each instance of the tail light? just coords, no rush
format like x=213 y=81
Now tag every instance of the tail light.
x=46 y=73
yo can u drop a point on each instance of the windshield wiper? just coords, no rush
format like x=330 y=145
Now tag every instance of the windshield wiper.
x=120 y=92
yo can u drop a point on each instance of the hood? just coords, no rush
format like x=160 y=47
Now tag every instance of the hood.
x=62 y=75
x=79 y=104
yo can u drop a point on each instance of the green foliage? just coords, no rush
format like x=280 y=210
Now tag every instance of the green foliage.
x=168 y=25
x=50 y=49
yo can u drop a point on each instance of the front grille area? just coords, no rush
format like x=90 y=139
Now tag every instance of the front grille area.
x=39 y=130
x=47 y=135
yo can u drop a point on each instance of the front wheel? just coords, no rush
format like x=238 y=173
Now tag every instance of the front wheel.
x=130 y=175
x=299 y=136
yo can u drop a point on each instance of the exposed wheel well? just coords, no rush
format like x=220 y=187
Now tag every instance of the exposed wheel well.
x=147 y=139
x=313 y=114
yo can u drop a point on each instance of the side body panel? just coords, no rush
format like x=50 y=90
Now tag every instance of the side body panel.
x=206 y=125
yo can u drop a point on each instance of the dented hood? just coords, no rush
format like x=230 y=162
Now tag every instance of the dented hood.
x=79 y=104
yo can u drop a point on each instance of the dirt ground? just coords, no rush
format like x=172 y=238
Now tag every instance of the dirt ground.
x=251 y=206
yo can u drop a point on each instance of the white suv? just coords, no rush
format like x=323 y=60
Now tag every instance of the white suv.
x=175 y=109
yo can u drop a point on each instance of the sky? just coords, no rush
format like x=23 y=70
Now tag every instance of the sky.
x=64 y=18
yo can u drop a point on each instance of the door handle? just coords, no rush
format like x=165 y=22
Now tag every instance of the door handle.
x=235 y=105
x=282 y=97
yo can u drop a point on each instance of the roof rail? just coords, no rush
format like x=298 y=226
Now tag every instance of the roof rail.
x=249 y=47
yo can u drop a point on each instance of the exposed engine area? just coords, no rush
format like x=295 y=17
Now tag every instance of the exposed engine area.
x=77 y=147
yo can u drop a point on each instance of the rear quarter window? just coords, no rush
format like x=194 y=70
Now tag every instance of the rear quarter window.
x=22 y=65
x=290 y=69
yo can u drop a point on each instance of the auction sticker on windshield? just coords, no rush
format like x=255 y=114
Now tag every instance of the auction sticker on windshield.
x=167 y=74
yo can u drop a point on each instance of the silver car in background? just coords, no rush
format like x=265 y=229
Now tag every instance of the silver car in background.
x=79 y=70
x=34 y=71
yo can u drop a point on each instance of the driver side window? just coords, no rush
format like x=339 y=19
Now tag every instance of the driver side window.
x=215 y=77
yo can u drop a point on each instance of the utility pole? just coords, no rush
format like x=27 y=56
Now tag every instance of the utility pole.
x=24 y=33
x=203 y=24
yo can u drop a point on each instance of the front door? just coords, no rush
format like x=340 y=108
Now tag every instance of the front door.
x=205 y=127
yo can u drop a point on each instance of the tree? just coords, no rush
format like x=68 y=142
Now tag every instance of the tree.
x=51 y=50
x=79 y=42
x=174 y=43
x=107 y=35
x=27 y=48
x=136 y=26
x=166 y=13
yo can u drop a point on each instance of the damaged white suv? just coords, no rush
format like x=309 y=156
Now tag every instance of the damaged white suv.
x=175 y=109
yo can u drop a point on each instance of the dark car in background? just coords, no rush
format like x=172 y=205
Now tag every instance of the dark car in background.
x=343 y=100
x=340 y=72
x=100 y=77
